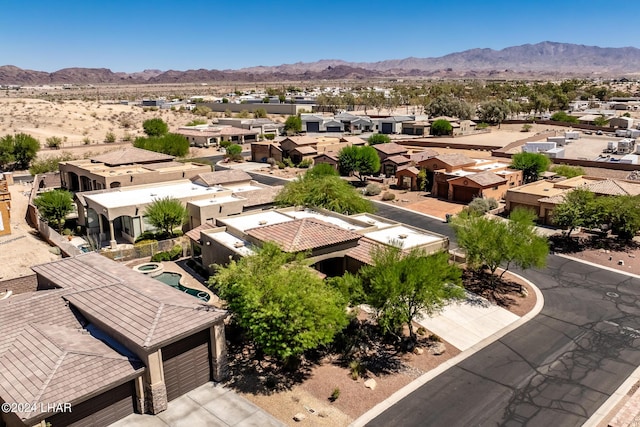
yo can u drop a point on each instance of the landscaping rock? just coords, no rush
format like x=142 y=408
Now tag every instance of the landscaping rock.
x=437 y=349
x=418 y=350
x=524 y=292
x=370 y=383
x=620 y=262
x=299 y=417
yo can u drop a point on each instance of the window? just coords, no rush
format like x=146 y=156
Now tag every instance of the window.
x=495 y=188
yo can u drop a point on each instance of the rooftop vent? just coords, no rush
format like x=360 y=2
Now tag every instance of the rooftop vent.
x=262 y=222
x=238 y=244
x=403 y=236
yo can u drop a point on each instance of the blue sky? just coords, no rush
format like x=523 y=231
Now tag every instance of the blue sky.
x=135 y=35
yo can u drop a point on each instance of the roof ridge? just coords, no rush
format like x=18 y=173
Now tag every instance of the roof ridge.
x=298 y=236
x=45 y=384
x=152 y=329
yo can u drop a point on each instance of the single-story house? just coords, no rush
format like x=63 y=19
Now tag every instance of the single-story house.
x=407 y=177
x=390 y=164
x=98 y=341
x=392 y=124
x=389 y=149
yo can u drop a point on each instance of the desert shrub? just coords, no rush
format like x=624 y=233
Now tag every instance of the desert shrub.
x=481 y=205
x=196 y=122
x=305 y=163
x=272 y=162
x=421 y=330
x=110 y=137
x=357 y=369
x=288 y=162
x=234 y=152
x=372 y=190
x=281 y=165
x=335 y=394
x=127 y=137
x=49 y=164
x=86 y=140
x=171 y=255
x=225 y=144
x=526 y=127
x=269 y=136
x=434 y=338
x=54 y=142
x=482 y=125
x=387 y=197
x=144 y=242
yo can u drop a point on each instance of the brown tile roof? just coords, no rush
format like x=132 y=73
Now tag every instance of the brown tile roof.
x=390 y=148
x=305 y=149
x=50 y=363
x=131 y=155
x=397 y=159
x=262 y=196
x=455 y=159
x=330 y=154
x=139 y=308
x=414 y=170
x=422 y=155
x=229 y=176
x=194 y=233
x=613 y=187
x=303 y=234
x=486 y=179
x=362 y=252
x=301 y=140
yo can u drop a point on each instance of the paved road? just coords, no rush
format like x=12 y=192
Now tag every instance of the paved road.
x=556 y=370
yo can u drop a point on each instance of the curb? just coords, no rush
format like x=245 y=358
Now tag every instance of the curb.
x=593 y=264
x=428 y=376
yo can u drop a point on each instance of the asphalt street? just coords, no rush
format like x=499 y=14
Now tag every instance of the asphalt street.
x=555 y=370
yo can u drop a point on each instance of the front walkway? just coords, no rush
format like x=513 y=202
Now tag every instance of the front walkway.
x=210 y=405
x=467 y=323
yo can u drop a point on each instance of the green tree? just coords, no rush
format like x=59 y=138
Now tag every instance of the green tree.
x=378 y=138
x=6 y=151
x=293 y=125
x=423 y=180
x=322 y=169
x=171 y=144
x=260 y=113
x=531 y=165
x=561 y=116
x=600 y=121
x=234 y=152
x=54 y=206
x=620 y=213
x=492 y=243
x=402 y=286
x=281 y=303
x=446 y=105
x=25 y=149
x=155 y=127
x=166 y=214
x=493 y=112
x=568 y=171
x=441 y=127
x=327 y=191
x=49 y=164
x=574 y=211
x=359 y=160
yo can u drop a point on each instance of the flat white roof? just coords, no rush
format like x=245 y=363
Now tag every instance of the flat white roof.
x=461 y=173
x=132 y=196
x=241 y=188
x=215 y=201
x=490 y=166
x=408 y=237
x=259 y=219
x=309 y=213
x=237 y=245
x=377 y=222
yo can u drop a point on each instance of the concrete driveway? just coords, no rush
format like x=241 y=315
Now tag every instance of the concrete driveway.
x=210 y=405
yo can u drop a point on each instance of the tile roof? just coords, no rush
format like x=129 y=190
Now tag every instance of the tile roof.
x=362 y=252
x=390 y=148
x=131 y=155
x=353 y=140
x=301 y=140
x=455 y=159
x=222 y=177
x=422 y=155
x=194 y=233
x=330 y=154
x=414 y=170
x=486 y=178
x=397 y=159
x=143 y=310
x=613 y=187
x=303 y=234
x=305 y=149
x=262 y=196
x=52 y=363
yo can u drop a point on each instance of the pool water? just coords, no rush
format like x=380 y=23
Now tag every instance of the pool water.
x=173 y=280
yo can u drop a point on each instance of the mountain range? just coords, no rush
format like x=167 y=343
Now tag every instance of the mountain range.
x=529 y=60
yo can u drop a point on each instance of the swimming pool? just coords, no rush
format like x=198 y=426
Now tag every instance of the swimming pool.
x=173 y=280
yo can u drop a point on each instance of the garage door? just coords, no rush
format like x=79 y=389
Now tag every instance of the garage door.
x=102 y=410
x=333 y=129
x=187 y=364
x=313 y=127
x=464 y=194
x=442 y=190
x=387 y=128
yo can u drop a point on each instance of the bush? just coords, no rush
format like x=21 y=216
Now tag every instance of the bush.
x=372 y=190
x=110 y=137
x=54 y=142
x=526 y=127
x=387 y=197
x=86 y=140
x=288 y=162
x=357 y=369
x=281 y=165
x=196 y=122
x=481 y=205
x=561 y=116
x=305 y=163
x=234 y=152
x=378 y=138
x=335 y=394
x=49 y=164
x=171 y=255
x=441 y=127
x=269 y=136
x=482 y=125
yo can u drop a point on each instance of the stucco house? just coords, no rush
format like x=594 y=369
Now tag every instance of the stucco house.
x=105 y=340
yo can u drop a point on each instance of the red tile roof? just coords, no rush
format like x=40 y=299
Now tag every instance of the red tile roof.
x=390 y=148
x=303 y=234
